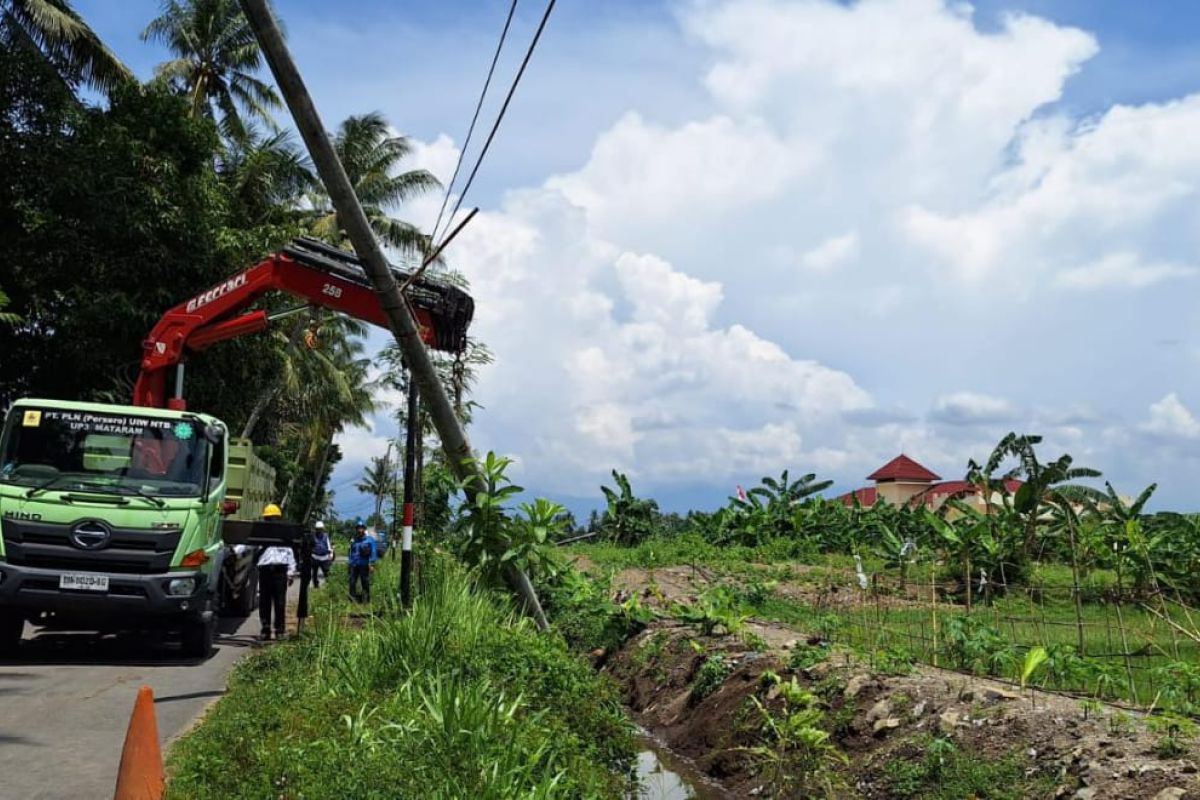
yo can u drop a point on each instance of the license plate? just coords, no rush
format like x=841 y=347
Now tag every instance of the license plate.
x=85 y=583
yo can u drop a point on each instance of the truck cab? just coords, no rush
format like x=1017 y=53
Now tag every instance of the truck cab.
x=110 y=519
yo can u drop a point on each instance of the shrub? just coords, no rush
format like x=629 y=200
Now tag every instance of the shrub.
x=710 y=676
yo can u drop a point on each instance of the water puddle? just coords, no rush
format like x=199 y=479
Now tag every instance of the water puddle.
x=661 y=775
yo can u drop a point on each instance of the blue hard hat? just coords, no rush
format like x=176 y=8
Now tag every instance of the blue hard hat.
x=358 y=523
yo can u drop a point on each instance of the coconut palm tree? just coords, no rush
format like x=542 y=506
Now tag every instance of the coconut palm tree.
x=371 y=156
x=378 y=480
x=312 y=364
x=267 y=176
x=59 y=34
x=324 y=408
x=216 y=56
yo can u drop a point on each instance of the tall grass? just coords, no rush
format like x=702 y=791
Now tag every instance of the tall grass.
x=457 y=699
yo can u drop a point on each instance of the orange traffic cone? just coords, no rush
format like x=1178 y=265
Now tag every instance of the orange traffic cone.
x=140 y=776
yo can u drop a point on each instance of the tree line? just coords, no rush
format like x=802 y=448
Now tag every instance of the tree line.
x=122 y=198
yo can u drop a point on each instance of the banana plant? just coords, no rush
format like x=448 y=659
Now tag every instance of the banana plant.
x=1034 y=659
x=1042 y=482
x=628 y=519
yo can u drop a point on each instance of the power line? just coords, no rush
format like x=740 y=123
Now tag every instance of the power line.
x=471 y=129
x=504 y=108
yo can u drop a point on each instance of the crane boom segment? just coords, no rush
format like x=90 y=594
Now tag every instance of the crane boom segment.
x=308 y=269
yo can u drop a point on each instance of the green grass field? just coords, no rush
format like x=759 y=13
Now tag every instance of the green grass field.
x=1139 y=665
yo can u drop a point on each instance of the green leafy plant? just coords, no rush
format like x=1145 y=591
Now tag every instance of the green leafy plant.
x=893 y=661
x=797 y=753
x=757 y=592
x=1091 y=707
x=974 y=646
x=490 y=538
x=1179 y=686
x=1119 y=723
x=1175 y=732
x=709 y=677
x=804 y=656
x=716 y=608
x=628 y=519
x=1034 y=659
x=1064 y=667
x=942 y=771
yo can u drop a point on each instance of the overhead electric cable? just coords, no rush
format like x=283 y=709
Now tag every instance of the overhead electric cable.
x=433 y=235
x=500 y=117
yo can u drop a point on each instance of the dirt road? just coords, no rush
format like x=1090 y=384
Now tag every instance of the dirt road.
x=65 y=704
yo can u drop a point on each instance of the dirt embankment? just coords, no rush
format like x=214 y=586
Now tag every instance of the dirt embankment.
x=884 y=726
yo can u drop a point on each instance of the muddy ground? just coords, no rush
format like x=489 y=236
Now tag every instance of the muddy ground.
x=875 y=720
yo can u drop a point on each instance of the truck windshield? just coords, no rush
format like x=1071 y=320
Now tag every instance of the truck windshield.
x=60 y=447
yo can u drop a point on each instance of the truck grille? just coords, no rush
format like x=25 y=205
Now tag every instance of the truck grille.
x=48 y=546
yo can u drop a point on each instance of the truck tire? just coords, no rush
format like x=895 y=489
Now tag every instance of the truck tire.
x=245 y=603
x=11 y=627
x=198 y=637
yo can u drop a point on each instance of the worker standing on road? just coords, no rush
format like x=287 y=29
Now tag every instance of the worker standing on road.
x=322 y=554
x=363 y=556
x=276 y=570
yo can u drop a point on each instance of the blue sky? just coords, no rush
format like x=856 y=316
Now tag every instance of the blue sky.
x=720 y=239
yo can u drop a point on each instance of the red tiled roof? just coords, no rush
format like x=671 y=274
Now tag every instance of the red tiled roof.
x=902 y=468
x=866 y=497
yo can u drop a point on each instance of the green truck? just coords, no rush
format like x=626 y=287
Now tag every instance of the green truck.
x=111 y=516
x=111 y=519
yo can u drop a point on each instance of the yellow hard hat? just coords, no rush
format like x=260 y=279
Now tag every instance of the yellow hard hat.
x=272 y=511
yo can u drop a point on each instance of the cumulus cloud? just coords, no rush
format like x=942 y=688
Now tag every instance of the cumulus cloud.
x=1079 y=194
x=863 y=215
x=624 y=365
x=1171 y=419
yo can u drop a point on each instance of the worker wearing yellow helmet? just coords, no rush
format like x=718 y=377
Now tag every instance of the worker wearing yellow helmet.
x=276 y=570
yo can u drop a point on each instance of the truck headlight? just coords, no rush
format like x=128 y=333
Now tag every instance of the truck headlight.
x=181 y=587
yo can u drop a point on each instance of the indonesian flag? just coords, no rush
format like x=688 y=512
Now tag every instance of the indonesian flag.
x=741 y=493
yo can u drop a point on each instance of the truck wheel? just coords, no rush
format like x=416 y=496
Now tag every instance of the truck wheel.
x=198 y=637
x=11 y=627
x=245 y=603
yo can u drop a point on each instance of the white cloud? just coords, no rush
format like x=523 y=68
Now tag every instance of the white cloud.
x=359 y=446
x=664 y=297
x=643 y=175
x=831 y=253
x=966 y=408
x=863 y=215
x=1123 y=270
x=1170 y=418
x=1080 y=195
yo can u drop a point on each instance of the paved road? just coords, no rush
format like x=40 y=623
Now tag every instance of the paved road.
x=65 y=704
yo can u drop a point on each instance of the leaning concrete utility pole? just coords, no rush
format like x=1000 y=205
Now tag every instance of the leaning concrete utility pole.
x=358 y=229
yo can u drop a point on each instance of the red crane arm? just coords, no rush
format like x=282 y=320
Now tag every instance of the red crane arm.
x=310 y=270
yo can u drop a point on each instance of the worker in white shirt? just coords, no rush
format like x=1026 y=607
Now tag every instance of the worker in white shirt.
x=276 y=570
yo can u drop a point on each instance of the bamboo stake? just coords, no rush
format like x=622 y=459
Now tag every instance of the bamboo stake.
x=933 y=600
x=1124 y=639
x=1174 y=625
